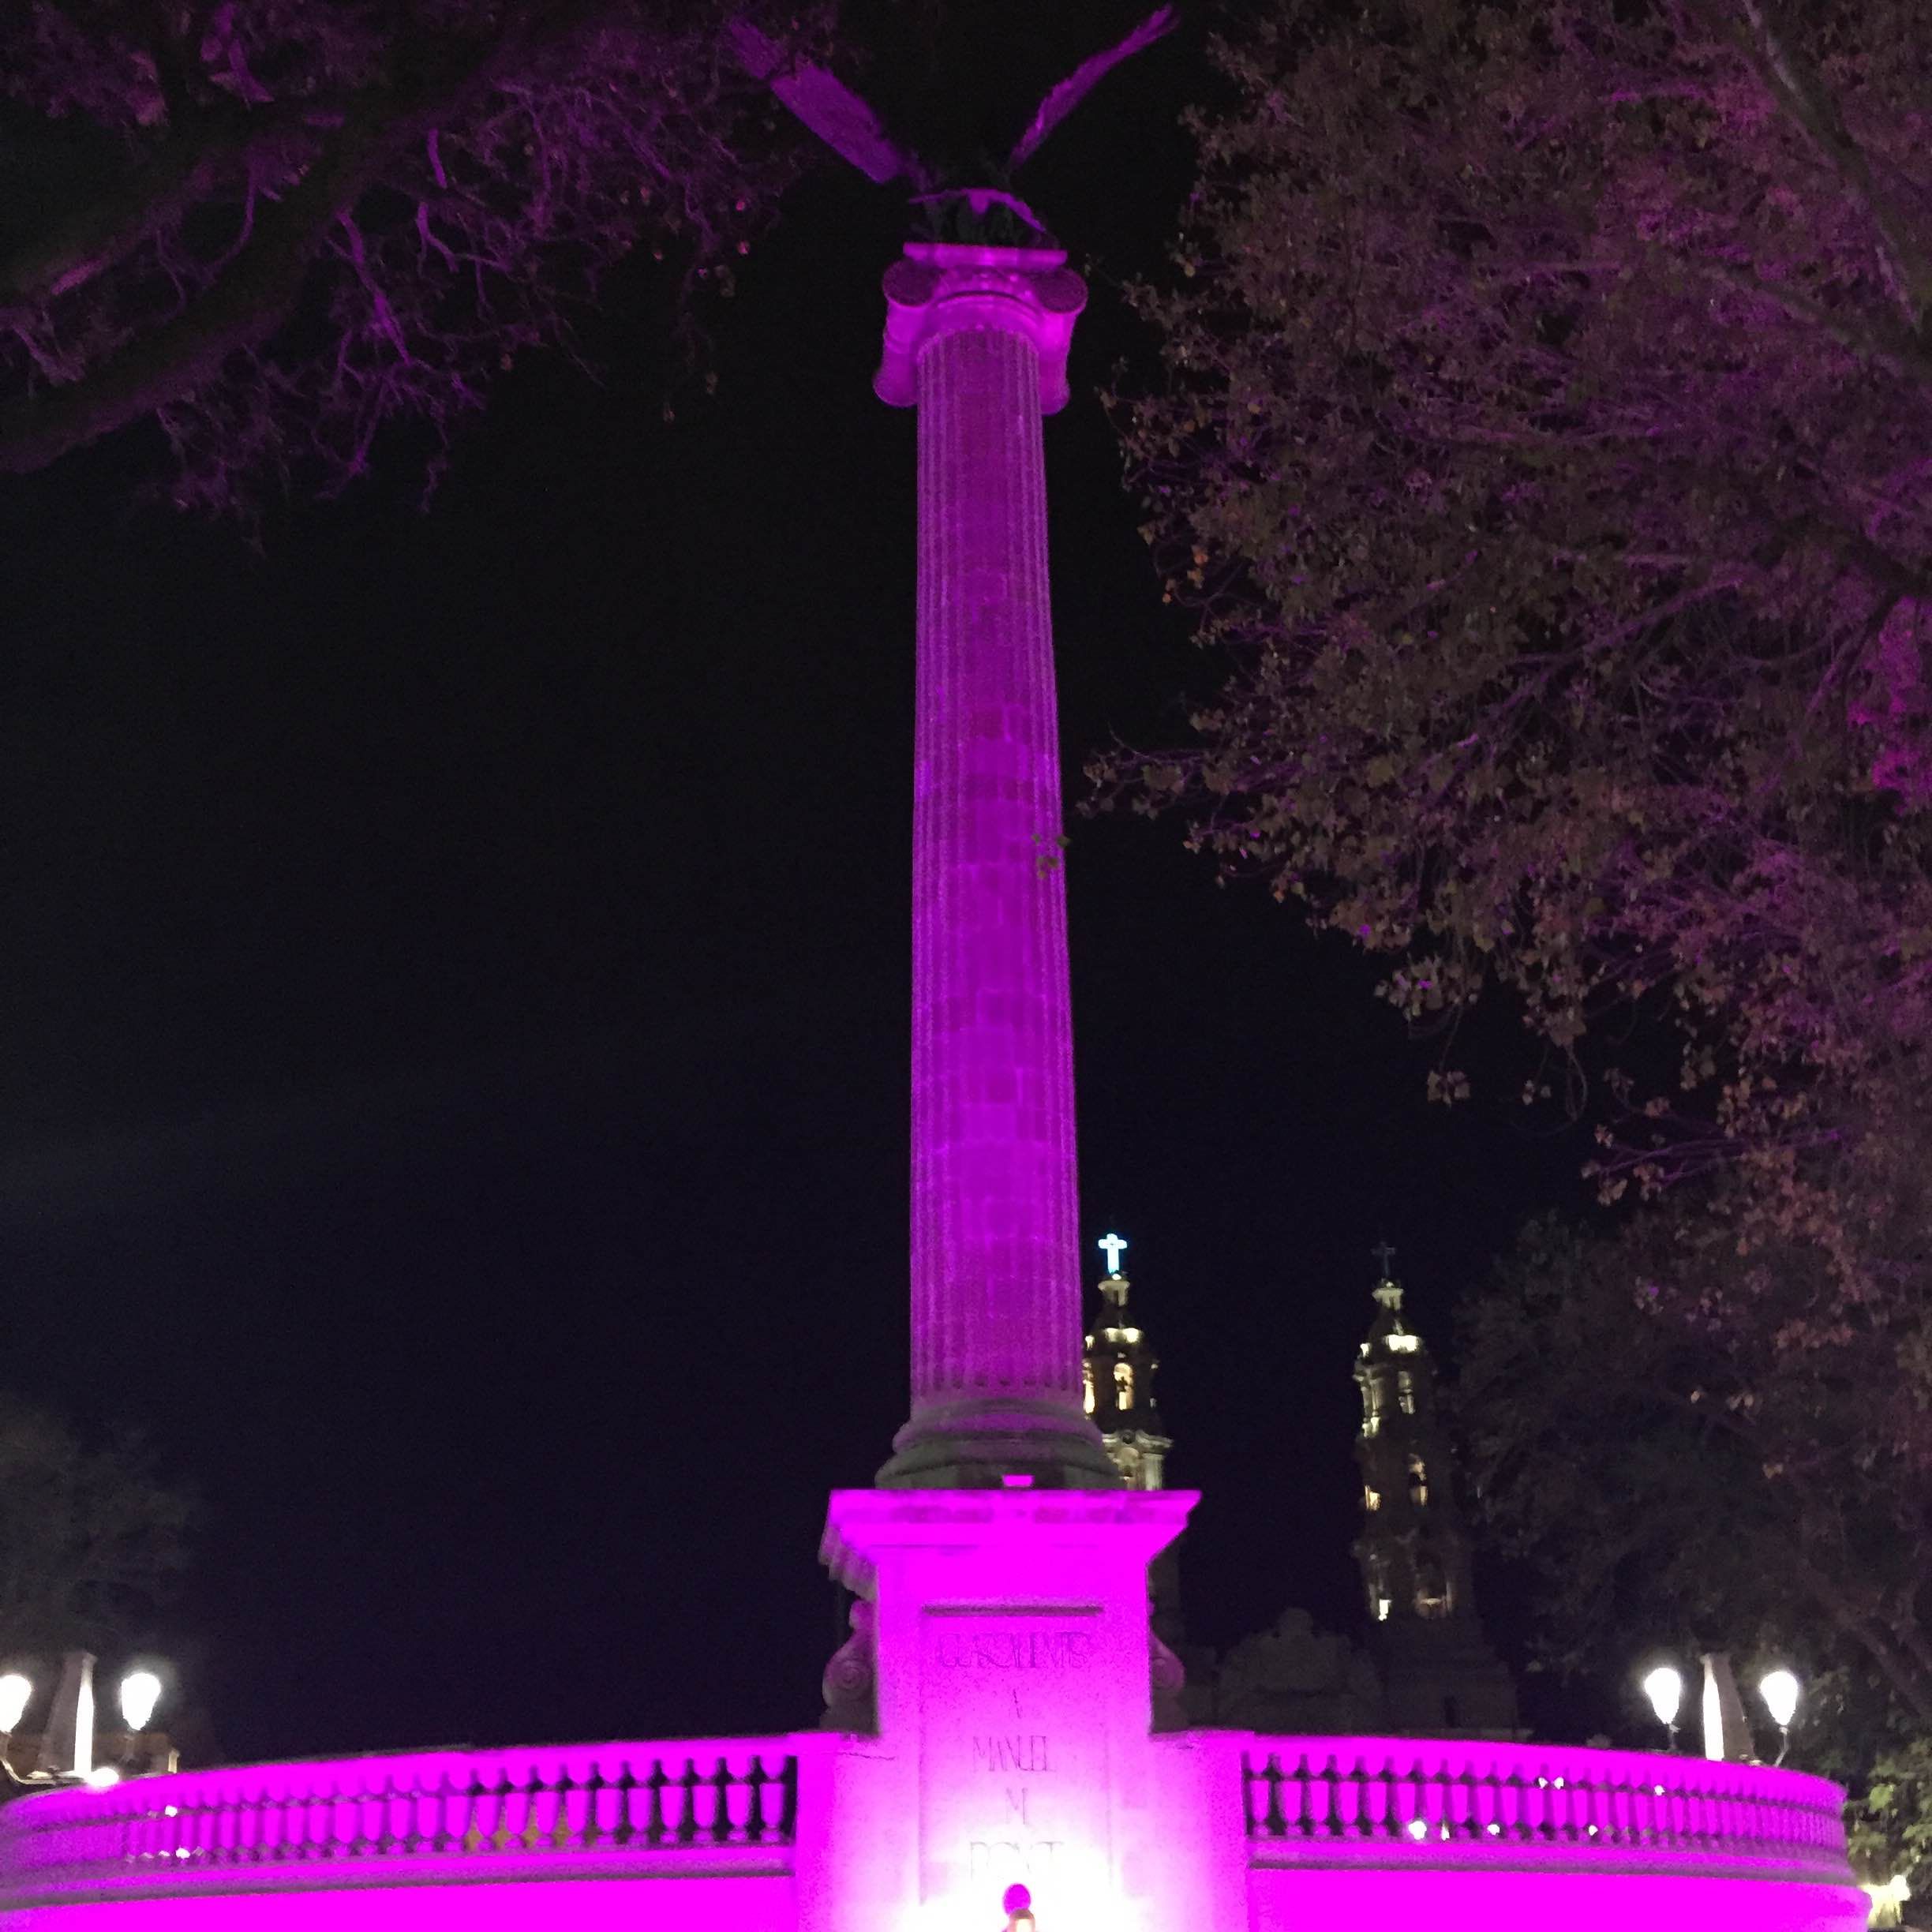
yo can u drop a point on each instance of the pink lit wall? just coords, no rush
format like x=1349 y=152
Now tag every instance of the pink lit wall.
x=1344 y=1900
x=714 y=1905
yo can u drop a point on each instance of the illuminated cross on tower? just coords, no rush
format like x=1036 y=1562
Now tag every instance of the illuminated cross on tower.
x=1112 y=1247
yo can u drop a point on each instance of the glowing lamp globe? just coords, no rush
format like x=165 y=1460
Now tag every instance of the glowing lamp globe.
x=1664 y=1686
x=1778 y=1689
x=14 y=1692
x=141 y=1690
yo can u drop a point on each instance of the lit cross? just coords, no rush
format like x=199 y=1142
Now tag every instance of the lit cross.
x=1385 y=1253
x=1112 y=1246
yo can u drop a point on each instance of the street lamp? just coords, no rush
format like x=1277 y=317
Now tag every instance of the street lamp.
x=141 y=1691
x=1664 y=1686
x=66 y=1746
x=1778 y=1689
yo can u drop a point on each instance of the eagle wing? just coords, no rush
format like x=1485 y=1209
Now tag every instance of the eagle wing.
x=1075 y=88
x=830 y=108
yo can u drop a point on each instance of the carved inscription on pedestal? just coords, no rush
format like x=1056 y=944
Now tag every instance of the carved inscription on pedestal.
x=1014 y=1750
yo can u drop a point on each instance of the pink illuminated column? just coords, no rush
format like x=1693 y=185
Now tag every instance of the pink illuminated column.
x=976 y=338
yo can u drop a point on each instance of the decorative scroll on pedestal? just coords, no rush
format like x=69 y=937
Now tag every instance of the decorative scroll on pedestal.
x=1168 y=1677
x=851 y=1680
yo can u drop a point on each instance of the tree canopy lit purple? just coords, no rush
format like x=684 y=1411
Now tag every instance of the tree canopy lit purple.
x=1547 y=446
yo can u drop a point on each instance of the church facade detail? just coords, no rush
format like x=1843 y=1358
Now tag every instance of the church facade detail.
x=1438 y=1675
x=1117 y=1370
x=1426 y=1667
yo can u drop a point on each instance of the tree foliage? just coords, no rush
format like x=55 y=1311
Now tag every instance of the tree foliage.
x=89 y=1538
x=275 y=226
x=1679 y=1479
x=1547 y=446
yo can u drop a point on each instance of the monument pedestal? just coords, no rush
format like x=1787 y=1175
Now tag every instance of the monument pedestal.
x=1014 y=1712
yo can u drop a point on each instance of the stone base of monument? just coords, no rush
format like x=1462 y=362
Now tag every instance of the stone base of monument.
x=1011 y=1660
x=973 y=1444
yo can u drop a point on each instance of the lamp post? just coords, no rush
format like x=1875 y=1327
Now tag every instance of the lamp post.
x=1664 y=1686
x=66 y=1755
x=1778 y=1689
x=1726 y=1734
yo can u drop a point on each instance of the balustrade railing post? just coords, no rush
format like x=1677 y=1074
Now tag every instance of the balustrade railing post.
x=383 y=1842
x=656 y=1830
x=1698 y=1805
x=1348 y=1799
x=470 y=1839
x=445 y=1808
x=201 y=1842
x=1464 y=1823
x=1388 y=1824
x=1294 y=1790
x=1542 y=1828
x=503 y=1827
x=1326 y=1786
x=1514 y=1805
x=249 y=1828
x=708 y=1791
x=586 y=1821
x=1595 y=1793
x=739 y=1792
x=1443 y=1791
x=622 y=1823
x=766 y=1789
x=419 y=1794
x=681 y=1799
x=307 y=1834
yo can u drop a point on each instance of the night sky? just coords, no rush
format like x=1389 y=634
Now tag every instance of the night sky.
x=455 y=1014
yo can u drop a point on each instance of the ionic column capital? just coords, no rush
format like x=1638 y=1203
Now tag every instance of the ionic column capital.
x=937 y=288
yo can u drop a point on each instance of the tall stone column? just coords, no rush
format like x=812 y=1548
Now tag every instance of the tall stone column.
x=976 y=339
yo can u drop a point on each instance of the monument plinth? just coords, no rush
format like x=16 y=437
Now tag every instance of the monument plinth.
x=976 y=340
x=1015 y=1740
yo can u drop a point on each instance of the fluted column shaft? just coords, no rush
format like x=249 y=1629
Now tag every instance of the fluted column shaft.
x=996 y=1293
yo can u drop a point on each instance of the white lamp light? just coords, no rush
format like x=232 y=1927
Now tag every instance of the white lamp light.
x=14 y=1692
x=1778 y=1689
x=141 y=1690
x=1664 y=1686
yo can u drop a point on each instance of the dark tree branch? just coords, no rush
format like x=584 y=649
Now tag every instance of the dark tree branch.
x=427 y=86
x=1811 y=108
x=182 y=170
x=240 y=310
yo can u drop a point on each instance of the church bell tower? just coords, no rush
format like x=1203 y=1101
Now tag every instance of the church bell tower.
x=1118 y=1367
x=1440 y=1676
